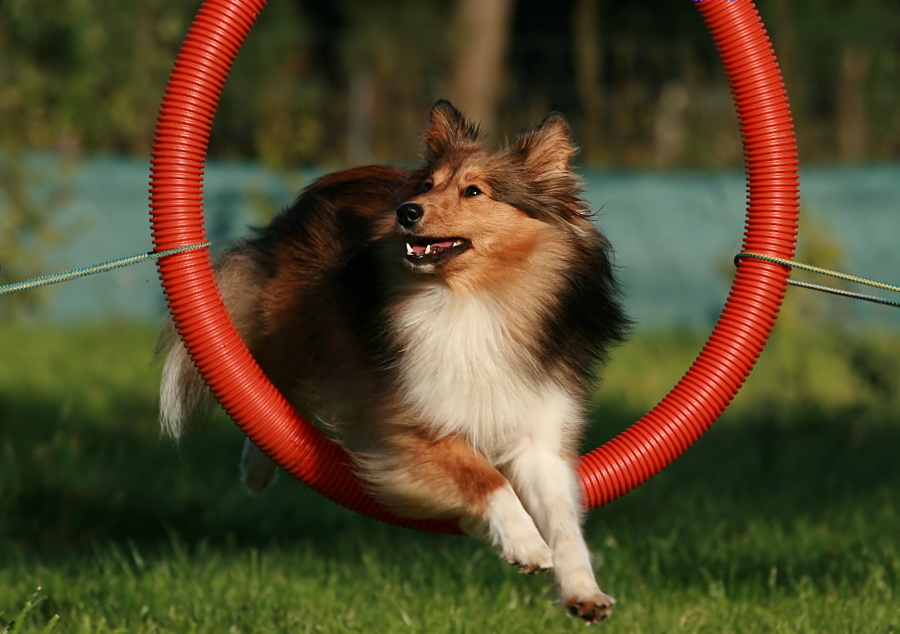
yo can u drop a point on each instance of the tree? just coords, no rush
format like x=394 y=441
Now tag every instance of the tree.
x=476 y=81
x=588 y=59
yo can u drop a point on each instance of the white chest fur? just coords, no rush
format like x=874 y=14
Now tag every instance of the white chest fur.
x=461 y=372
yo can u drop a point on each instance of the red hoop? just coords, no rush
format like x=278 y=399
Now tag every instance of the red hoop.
x=182 y=132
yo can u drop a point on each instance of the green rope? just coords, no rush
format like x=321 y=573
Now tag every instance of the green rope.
x=72 y=274
x=6 y=289
x=836 y=274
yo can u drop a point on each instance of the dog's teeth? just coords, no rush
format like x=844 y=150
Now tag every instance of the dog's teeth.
x=456 y=243
x=427 y=249
x=409 y=249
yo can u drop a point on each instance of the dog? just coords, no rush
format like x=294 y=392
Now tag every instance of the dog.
x=446 y=322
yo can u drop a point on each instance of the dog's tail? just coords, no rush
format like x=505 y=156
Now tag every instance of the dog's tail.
x=183 y=396
x=182 y=393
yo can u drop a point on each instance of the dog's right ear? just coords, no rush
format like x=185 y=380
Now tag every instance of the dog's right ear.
x=448 y=130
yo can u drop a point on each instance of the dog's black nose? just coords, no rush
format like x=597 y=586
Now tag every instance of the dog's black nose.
x=409 y=214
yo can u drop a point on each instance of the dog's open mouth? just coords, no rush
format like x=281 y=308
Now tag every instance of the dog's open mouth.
x=434 y=251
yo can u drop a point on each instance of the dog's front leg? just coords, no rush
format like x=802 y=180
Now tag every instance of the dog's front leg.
x=548 y=486
x=510 y=529
x=423 y=476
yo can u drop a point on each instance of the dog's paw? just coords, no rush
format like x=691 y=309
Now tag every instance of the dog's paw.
x=593 y=609
x=531 y=567
x=531 y=560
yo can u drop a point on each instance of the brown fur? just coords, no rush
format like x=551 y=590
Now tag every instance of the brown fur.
x=420 y=475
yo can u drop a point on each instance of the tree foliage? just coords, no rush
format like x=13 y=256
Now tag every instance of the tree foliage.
x=329 y=81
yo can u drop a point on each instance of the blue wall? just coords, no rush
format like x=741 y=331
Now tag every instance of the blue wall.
x=674 y=232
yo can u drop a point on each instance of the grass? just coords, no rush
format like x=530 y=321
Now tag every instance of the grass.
x=784 y=517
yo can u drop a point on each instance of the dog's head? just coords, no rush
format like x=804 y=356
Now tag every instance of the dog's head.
x=478 y=216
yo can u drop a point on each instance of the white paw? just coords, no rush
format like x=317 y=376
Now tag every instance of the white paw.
x=532 y=559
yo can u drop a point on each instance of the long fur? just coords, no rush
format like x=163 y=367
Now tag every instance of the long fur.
x=446 y=322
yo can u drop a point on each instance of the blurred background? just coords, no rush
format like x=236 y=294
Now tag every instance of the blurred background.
x=321 y=85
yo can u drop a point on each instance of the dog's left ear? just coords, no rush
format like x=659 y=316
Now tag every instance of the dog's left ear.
x=546 y=150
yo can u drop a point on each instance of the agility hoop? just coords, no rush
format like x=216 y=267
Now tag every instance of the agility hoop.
x=176 y=194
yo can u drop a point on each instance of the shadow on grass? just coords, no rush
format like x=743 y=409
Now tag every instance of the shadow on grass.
x=68 y=482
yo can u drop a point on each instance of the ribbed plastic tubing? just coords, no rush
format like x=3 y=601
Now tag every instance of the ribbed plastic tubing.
x=697 y=400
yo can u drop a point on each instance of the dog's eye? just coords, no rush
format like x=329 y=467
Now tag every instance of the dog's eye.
x=471 y=191
x=426 y=186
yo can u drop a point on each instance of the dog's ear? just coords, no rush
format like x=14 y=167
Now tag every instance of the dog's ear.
x=547 y=149
x=448 y=130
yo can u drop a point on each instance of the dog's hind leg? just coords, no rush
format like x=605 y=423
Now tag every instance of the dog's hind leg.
x=257 y=469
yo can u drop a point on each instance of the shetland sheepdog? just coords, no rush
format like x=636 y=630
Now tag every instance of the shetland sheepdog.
x=446 y=322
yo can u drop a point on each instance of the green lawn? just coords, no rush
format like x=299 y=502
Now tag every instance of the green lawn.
x=785 y=517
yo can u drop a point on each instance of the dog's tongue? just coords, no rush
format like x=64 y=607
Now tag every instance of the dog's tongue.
x=419 y=249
